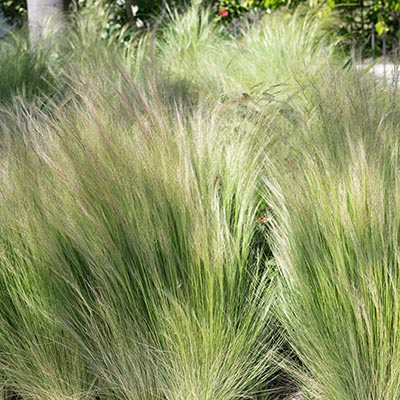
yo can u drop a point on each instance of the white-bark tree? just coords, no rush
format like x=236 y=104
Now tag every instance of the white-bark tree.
x=42 y=13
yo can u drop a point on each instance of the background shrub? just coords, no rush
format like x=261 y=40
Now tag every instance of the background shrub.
x=373 y=24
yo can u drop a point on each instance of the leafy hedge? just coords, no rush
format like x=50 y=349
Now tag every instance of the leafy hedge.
x=373 y=23
x=14 y=11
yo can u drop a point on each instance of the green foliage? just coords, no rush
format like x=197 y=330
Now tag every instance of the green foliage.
x=336 y=240
x=359 y=20
x=24 y=72
x=14 y=11
x=127 y=232
x=140 y=184
x=143 y=252
x=137 y=13
x=373 y=23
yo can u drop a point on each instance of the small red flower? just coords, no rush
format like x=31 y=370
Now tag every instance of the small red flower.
x=261 y=219
x=223 y=12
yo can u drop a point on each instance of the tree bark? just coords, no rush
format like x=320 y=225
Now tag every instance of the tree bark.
x=43 y=13
x=128 y=7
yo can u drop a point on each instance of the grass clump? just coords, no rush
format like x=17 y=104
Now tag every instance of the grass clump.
x=24 y=72
x=337 y=238
x=133 y=258
x=149 y=225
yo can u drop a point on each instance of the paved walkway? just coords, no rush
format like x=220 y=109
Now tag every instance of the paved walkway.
x=388 y=71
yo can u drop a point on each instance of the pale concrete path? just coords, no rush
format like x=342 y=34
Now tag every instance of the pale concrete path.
x=388 y=71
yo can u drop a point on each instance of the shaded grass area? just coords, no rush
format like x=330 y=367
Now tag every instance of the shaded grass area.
x=23 y=72
x=196 y=218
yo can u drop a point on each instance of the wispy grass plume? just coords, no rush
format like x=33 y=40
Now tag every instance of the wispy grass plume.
x=150 y=220
x=336 y=242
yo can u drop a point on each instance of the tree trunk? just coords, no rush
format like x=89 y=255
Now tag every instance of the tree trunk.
x=128 y=7
x=43 y=13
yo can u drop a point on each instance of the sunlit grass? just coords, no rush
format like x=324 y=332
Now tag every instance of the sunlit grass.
x=134 y=207
x=336 y=241
x=143 y=228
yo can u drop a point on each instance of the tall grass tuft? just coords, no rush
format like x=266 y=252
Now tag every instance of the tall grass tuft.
x=278 y=50
x=38 y=358
x=336 y=236
x=148 y=218
x=131 y=260
x=24 y=72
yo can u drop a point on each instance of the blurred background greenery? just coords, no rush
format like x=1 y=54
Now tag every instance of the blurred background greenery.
x=372 y=25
